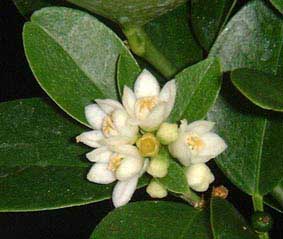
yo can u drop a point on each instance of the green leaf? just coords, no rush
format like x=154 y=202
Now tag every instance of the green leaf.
x=208 y=17
x=272 y=203
x=171 y=34
x=155 y=220
x=129 y=11
x=278 y=4
x=197 y=89
x=127 y=72
x=253 y=38
x=175 y=181
x=27 y=7
x=41 y=166
x=227 y=223
x=277 y=194
x=73 y=56
x=264 y=90
x=254 y=140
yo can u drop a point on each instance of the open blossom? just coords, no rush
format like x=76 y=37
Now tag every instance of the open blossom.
x=111 y=125
x=196 y=143
x=122 y=163
x=147 y=105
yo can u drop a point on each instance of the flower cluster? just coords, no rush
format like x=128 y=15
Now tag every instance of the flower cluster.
x=133 y=138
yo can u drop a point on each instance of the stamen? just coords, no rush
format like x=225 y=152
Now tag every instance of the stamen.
x=195 y=142
x=114 y=163
x=145 y=105
x=108 y=127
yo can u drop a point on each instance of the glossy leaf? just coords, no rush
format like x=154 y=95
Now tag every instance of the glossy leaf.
x=278 y=4
x=172 y=36
x=197 y=89
x=253 y=38
x=127 y=72
x=129 y=11
x=254 y=140
x=208 y=17
x=41 y=166
x=227 y=223
x=154 y=220
x=73 y=56
x=175 y=181
x=264 y=90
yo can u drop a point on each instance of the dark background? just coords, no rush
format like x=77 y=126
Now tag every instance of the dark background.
x=17 y=81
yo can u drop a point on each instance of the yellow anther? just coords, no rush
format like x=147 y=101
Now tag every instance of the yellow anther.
x=114 y=163
x=108 y=126
x=145 y=105
x=195 y=142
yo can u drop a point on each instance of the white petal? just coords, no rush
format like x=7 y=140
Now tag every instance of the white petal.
x=92 y=138
x=168 y=95
x=127 y=150
x=129 y=101
x=101 y=155
x=129 y=167
x=94 y=116
x=179 y=150
x=154 y=119
x=118 y=140
x=183 y=126
x=200 y=126
x=213 y=146
x=123 y=191
x=119 y=118
x=99 y=173
x=199 y=177
x=108 y=105
x=146 y=85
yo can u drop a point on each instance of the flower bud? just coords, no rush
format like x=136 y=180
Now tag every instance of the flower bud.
x=158 y=166
x=199 y=177
x=148 y=145
x=167 y=133
x=156 y=190
x=128 y=168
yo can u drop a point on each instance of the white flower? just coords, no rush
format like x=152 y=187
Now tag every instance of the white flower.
x=196 y=144
x=199 y=177
x=156 y=190
x=122 y=163
x=147 y=105
x=111 y=125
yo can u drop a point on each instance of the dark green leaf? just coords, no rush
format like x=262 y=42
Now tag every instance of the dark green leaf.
x=278 y=4
x=254 y=141
x=172 y=36
x=154 y=220
x=227 y=223
x=27 y=7
x=253 y=38
x=175 y=181
x=73 y=57
x=208 y=18
x=277 y=194
x=197 y=89
x=127 y=72
x=272 y=203
x=41 y=166
x=129 y=11
x=264 y=90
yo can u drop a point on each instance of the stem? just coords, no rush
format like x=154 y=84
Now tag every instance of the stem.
x=142 y=46
x=191 y=198
x=258 y=206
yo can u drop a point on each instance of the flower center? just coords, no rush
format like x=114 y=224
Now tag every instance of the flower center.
x=114 y=162
x=145 y=105
x=195 y=142
x=148 y=145
x=108 y=127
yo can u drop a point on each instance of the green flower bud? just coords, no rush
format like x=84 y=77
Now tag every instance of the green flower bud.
x=158 y=166
x=167 y=133
x=261 y=221
x=156 y=190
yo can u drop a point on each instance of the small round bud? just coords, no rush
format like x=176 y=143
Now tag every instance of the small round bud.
x=156 y=190
x=158 y=166
x=199 y=177
x=167 y=133
x=148 y=145
x=261 y=221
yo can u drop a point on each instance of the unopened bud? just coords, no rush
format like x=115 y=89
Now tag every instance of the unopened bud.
x=156 y=190
x=158 y=166
x=148 y=145
x=199 y=177
x=167 y=133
